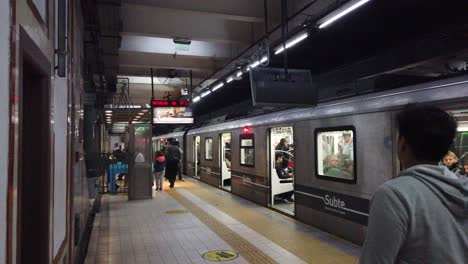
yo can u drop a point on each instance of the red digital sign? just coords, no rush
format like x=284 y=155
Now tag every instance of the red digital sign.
x=170 y=103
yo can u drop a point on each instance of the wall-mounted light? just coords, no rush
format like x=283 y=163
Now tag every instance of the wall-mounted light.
x=246 y=130
x=196 y=99
x=253 y=64
x=219 y=85
x=205 y=93
x=293 y=41
x=229 y=79
x=264 y=59
x=340 y=12
x=239 y=73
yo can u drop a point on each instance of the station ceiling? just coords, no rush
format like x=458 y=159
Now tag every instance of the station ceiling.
x=407 y=41
x=403 y=37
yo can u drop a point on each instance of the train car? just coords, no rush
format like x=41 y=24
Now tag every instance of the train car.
x=337 y=153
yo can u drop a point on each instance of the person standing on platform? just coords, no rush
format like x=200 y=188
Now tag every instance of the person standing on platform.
x=159 y=167
x=172 y=162
x=422 y=215
x=179 y=168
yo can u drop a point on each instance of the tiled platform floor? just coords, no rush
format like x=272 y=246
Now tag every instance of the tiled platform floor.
x=141 y=231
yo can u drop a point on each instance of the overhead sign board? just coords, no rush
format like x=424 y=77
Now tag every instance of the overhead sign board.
x=271 y=86
x=171 y=112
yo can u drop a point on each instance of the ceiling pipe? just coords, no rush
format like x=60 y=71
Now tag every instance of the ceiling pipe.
x=259 y=41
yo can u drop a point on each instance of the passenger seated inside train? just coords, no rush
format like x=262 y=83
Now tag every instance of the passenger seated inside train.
x=283 y=149
x=283 y=174
x=450 y=160
x=338 y=166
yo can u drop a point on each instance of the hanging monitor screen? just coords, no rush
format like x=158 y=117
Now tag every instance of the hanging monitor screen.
x=271 y=86
x=171 y=112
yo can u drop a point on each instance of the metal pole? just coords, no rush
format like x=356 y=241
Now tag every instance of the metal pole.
x=265 y=5
x=284 y=32
x=152 y=85
x=191 y=86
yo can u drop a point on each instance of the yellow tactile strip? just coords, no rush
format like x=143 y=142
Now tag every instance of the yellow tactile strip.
x=303 y=246
x=246 y=249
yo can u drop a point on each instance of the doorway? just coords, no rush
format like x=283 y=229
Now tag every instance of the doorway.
x=225 y=160
x=34 y=155
x=196 y=157
x=282 y=169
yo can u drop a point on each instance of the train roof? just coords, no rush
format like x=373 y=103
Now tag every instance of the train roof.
x=171 y=135
x=438 y=91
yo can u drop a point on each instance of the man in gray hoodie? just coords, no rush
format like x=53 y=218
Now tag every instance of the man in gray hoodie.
x=421 y=216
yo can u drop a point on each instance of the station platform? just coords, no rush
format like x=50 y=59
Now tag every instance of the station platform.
x=186 y=223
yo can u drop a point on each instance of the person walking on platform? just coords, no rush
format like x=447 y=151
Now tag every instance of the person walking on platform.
x=421 y=216
x=159 y=167
x=172 y=162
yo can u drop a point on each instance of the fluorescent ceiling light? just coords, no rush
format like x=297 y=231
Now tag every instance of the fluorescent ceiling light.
x=107 y=111
x=292 y=42
x=239 y=73
x=145 y=110
x=196 y=99
x=141 y=114
x=340 y=12
x=264 y=59
x=108 y=114
x=205 y=93
x=229 y=79
x=219 y=85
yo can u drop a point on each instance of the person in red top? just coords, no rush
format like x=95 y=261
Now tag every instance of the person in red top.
x=159 y=168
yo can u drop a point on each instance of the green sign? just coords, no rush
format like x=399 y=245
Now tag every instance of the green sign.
x=182 y=47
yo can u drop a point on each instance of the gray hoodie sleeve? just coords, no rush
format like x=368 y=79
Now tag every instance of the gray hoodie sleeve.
x=387 y=227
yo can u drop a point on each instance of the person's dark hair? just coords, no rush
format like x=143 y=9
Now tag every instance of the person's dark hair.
x=159 y=153
x=277 y=155
x=428 y=130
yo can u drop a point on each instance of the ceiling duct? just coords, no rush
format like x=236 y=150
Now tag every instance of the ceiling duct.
x=103 y=25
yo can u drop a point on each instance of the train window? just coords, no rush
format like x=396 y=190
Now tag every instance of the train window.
x=247 y=150
x=335 y=152
x=208 y=148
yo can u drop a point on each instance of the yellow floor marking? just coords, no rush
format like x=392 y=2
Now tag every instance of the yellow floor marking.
x=303 y=246
x=242 y=246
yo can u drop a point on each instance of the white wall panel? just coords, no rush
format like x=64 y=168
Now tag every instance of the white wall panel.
x=41 y=6
x=60 y=173
x=4 y=95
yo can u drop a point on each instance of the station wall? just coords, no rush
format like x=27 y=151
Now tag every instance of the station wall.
x=4 y=95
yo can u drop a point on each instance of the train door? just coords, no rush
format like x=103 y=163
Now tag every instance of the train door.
x=196 y=157
x=459 y=147
x=282 y=169
x=225 y=160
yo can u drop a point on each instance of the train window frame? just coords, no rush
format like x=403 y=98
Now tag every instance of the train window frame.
x=336 y=129
x=247 y=137
x=206 y=152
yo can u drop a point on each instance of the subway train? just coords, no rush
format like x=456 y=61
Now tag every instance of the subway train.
x=336 y=154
